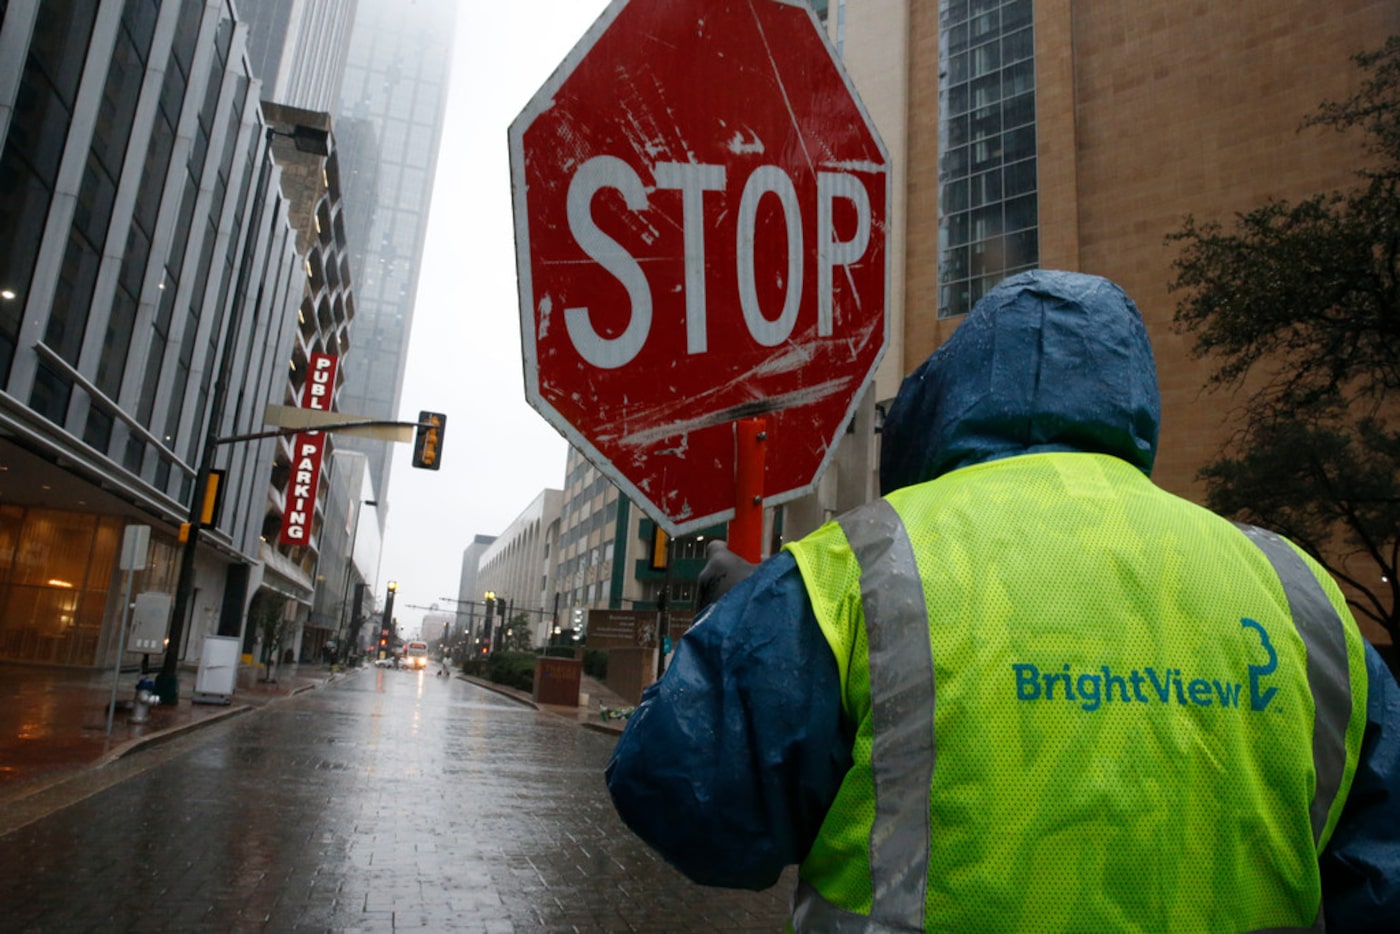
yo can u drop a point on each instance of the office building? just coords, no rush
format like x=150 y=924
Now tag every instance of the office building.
x=150 y=283
x=389 y=124
x=517 y=568
x=1079 y=136
x=609 y=557
x=469 y=590
x=299 y=48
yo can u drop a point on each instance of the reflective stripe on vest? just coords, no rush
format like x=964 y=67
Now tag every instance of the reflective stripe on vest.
x=1329 y=678
x=902 y=715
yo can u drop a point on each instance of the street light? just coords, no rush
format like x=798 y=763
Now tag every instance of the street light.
x=309 y=140
x=345 y=589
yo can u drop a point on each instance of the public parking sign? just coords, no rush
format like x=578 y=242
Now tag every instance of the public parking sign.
x=700 y=204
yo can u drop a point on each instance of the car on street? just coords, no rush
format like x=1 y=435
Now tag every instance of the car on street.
x=415 y=655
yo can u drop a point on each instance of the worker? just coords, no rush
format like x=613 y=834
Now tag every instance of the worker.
x=1027 y=689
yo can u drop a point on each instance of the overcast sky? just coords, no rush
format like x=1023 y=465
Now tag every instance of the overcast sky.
x=464 y=355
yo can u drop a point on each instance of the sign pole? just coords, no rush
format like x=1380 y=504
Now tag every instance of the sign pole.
x=121 y=647
x=663 y=610
x=750 y=449
x=136 y=541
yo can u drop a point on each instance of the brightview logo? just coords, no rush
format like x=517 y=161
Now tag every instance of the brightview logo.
x=1092 y=689
x=1259 y=700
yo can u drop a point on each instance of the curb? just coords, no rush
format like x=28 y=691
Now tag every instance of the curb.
x=169 y=733
x=602 y=728
x=173 y=732
x=512 y=693
x=608 y=727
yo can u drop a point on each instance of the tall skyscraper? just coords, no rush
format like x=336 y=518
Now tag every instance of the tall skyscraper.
x=298 y=48
x=389 y=124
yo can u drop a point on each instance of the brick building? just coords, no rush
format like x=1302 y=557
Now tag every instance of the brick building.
x=1124 y=118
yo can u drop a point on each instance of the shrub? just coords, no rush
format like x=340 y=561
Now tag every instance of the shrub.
x=595 y=664
x=513 y=669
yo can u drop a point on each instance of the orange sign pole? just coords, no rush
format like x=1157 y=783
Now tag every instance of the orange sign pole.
x=746 y=528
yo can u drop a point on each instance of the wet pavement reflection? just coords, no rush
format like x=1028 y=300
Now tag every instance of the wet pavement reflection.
x=387 y=800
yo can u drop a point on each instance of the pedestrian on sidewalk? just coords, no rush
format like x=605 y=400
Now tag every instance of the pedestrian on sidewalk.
x=1027 y=689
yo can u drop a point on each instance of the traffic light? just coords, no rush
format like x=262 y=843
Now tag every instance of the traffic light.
x=213 y=497
x=659 y=552
x=209 y=507
x=427 y=445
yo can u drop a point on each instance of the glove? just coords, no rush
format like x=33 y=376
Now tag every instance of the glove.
x=723 y=571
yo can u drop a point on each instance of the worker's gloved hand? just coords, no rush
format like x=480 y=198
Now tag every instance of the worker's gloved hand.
x=722 y=573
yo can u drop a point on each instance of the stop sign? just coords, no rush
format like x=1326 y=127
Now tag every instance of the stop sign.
x=700 y=209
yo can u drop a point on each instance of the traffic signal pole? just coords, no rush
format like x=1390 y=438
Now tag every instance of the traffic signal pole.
x=167 y=680
x=386 y=628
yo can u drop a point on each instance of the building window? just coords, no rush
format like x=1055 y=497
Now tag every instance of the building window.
x=988 y=225
x=38 y=133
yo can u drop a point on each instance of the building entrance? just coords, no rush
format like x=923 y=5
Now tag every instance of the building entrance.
x=56 y=570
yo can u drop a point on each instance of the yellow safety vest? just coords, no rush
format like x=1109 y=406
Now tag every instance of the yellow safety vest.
x=1083 y=704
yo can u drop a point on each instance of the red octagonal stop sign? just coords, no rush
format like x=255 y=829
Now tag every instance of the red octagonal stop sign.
x=700 y=210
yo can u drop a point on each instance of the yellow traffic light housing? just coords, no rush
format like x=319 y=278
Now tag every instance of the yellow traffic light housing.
x=660 y=555
x=427 y=444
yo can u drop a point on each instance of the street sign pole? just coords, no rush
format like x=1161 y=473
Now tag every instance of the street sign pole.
x=136 y=541
x=750 y=451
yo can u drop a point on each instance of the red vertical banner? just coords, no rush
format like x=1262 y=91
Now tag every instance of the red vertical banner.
x=300 y=510
x=308 y=448
x=319 y=391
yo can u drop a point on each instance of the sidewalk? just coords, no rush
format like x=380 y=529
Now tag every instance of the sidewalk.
x=53 y=721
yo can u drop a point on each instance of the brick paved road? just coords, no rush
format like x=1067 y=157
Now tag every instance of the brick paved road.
x=386 y=801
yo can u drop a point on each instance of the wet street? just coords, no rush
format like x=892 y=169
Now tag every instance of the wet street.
x=388 y=800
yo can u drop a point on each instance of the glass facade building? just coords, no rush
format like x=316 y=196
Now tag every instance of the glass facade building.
x=389 y=124
x=987 y=224
x=146 y=255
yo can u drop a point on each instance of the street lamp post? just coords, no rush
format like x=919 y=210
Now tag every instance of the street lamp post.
x=340 y=635
x=311 y=140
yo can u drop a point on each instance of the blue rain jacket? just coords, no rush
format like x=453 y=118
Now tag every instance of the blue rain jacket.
x=730 y=762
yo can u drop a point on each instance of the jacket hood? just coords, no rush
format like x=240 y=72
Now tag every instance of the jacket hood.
x=1046 y=361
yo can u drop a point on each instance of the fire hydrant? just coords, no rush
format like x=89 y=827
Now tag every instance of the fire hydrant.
x=145 y=696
